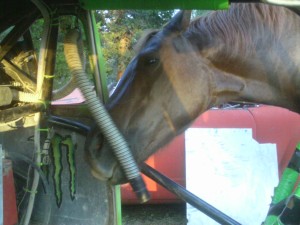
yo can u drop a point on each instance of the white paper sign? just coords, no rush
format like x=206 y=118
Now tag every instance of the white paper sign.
x=228 y=169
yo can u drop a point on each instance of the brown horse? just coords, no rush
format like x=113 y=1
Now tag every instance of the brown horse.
x=249 y=53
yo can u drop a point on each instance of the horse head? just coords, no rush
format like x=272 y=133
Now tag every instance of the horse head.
x=184 y=69
x=154 y=100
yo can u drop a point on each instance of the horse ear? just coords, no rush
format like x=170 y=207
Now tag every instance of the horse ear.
x=179 y=22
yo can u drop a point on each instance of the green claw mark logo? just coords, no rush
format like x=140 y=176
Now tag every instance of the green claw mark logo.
x=57 y=142
x=71 y=161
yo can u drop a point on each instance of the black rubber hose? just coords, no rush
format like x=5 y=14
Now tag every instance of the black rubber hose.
x=187 y=196
x=69 y=124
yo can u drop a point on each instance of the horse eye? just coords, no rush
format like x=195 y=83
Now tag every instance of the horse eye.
x=152 y=61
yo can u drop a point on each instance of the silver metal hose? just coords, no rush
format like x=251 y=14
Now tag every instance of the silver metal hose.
x=103 y=119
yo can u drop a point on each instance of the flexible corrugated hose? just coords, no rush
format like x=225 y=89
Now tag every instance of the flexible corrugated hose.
x=70 y=86
x=103 y=119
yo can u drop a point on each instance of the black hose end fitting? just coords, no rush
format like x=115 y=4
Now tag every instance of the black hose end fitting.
x=139 y=187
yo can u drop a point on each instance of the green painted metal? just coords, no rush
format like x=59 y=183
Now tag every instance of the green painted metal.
x=298 y=146
x=285 y=186
x=297 y=191
x=273 y=220
x=103 y=78
x=154 y=4
x=118 y=204
x=101 y=61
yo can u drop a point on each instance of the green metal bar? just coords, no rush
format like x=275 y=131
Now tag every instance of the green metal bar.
x=103 y=82
x=118 y=204
x=154 y=4
x=101 y=62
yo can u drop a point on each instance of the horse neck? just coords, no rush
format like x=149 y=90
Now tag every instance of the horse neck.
x=260 y=79
x=259 y=68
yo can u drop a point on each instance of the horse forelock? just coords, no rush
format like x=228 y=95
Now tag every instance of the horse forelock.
x=146 y=37
x=241 y=27
x=123 y=84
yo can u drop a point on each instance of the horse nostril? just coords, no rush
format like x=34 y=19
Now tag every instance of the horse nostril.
x=98 y=144
x=118 y=177
x=93 y=146
x=99 y=156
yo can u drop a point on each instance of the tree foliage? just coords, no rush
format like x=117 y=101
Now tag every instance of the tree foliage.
x=120 y=30
x=62 y=72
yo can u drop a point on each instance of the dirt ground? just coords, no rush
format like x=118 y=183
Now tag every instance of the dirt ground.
x=164 y=214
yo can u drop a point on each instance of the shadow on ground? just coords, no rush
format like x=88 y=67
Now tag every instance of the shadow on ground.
x=163 y=214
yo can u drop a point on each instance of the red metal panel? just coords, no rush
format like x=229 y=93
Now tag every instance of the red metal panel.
x=170 y=161
x=9 y=195
x=280 y=126
x=269 y=125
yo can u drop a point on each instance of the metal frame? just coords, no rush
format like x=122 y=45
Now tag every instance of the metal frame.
x=48 y=68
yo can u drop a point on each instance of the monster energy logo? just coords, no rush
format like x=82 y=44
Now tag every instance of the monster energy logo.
x=57 y=144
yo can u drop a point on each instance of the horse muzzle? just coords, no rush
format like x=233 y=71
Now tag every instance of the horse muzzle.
x=112 y=175
x=103 y=163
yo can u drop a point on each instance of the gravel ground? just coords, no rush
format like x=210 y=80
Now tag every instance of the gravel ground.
x=163 y=214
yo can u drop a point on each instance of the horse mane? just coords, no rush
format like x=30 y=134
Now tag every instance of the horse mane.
x=240 y=26
x=146 y=36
